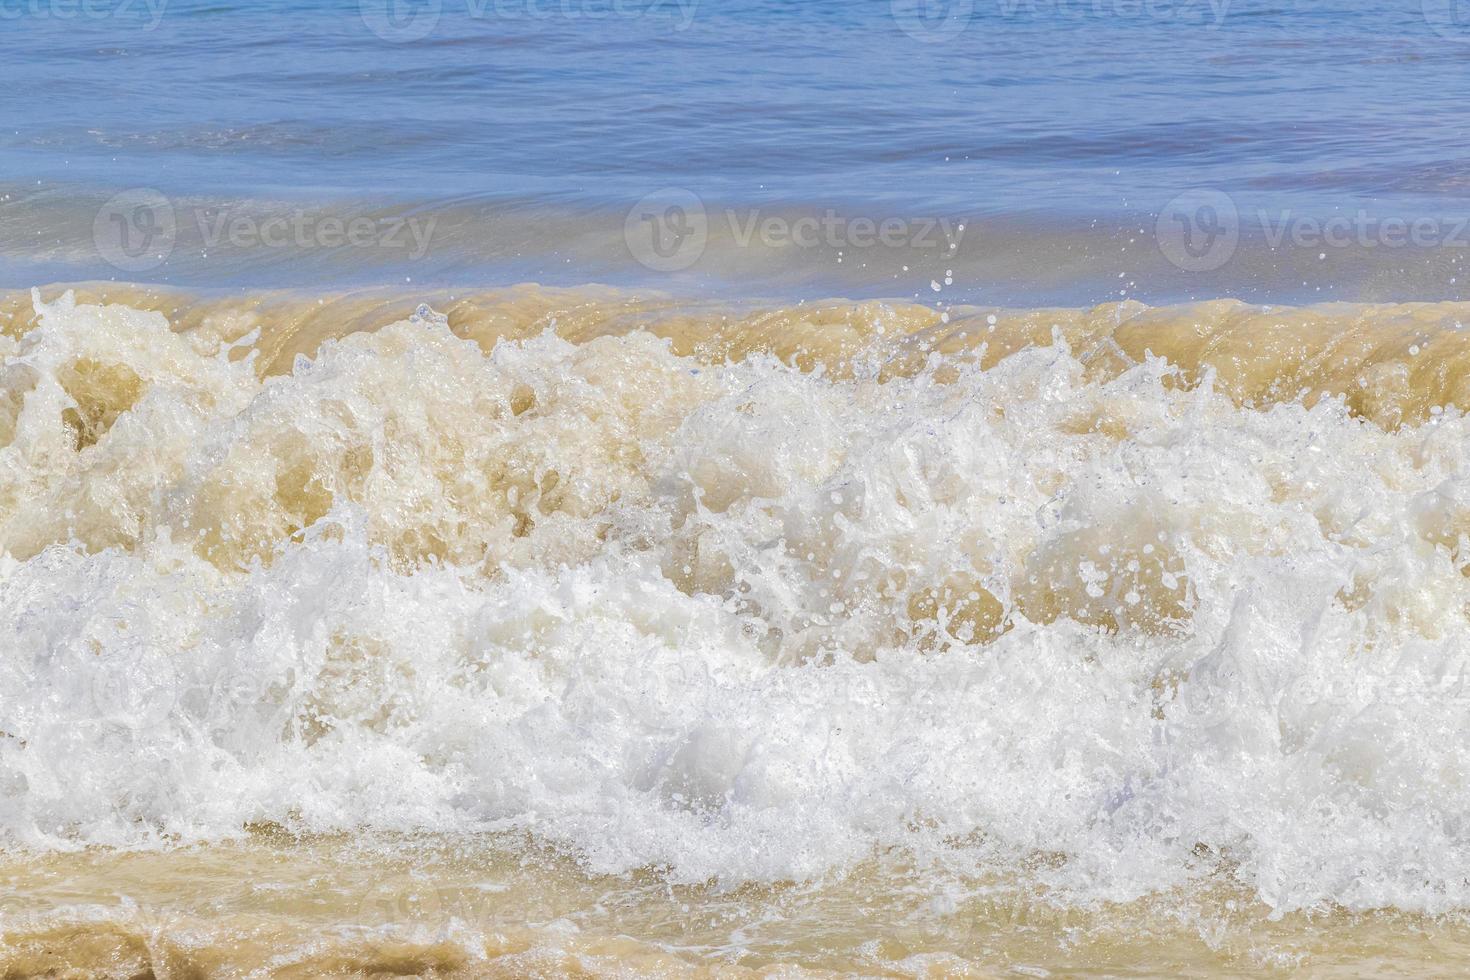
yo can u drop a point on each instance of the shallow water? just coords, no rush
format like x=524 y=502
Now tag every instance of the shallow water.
x=1094 y=149
x=824 y=636
x=493 y=907
x=450 y=528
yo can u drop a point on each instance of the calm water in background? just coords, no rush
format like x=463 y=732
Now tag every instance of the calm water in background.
x=1057 y=130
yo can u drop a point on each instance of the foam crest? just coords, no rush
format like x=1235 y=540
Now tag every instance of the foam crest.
x=696 y=593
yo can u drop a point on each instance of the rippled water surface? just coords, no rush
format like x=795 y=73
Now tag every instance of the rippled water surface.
x=1058 y=130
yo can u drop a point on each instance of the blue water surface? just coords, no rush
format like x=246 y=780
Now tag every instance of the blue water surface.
x=1053 y=112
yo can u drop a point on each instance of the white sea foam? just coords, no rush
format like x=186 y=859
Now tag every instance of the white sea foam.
x=733 y=620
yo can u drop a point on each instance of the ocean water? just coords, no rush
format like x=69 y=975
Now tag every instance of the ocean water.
x=877 y=488
x=1162 y=150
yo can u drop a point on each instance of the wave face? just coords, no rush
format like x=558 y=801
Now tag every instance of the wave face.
x=1115 y=602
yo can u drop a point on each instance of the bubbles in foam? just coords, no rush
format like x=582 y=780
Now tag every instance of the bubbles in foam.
x=1071 y=612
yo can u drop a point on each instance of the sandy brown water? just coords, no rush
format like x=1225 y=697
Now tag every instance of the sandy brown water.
x=585 y=632
x=280 y=906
